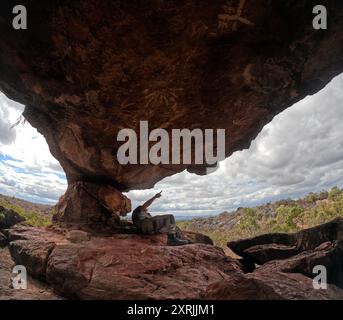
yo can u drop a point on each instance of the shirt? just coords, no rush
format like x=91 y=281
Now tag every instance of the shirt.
x=138 y=215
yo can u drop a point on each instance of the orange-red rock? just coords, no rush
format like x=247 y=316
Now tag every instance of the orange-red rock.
x=87 y=69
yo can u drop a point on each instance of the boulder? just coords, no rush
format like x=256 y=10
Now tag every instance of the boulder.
x=31 y=247
x=195 y=237
x=266 y=252
x=77 y=236
x=36 y=290
x=329 y=255
x=266 y=285
x=98 y=205
x=121 y=266
x=296 y=253
x=274 y=246
x=281 y=266
x=9 y=218
x=133 y=266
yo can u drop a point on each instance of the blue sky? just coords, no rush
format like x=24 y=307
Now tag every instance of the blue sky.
x=300 y=151
x=27 y=169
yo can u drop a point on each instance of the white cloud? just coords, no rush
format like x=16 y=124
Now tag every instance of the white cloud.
x=300 y=151
x=7 y=134
x=27 y=169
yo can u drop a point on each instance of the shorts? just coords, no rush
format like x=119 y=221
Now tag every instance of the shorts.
x=158 y=224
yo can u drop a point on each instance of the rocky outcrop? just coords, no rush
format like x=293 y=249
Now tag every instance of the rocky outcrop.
x=131 y=266
x=36 y=290
x=98 y=205
x=9 y=218
x=122 y=266
x=194 y=237
x=85 y=70
x=285 y=263
x=267 y=247
x=266 y=285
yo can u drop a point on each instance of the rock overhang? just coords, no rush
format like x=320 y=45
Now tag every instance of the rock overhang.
x=85 y=71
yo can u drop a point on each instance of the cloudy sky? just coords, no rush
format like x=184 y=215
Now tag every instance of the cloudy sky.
x=300 y=151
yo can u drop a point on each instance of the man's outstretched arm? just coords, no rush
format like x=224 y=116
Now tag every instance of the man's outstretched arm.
x=148 y=203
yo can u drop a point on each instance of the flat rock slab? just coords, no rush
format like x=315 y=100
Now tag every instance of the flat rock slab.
x=133 y=266
x=36 y=290
x=122 y=266
x=265 y=285
x=264 y=253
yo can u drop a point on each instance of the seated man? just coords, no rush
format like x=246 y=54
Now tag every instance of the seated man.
x=147 y=224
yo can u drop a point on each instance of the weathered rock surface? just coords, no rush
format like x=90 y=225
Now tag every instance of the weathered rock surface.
x=121 y=266
x=9 y=218
x=78 y=236
x=92 y=204
x=36 y=290
x=194 y=237
x=133 y=266
x=87 y=69
x=287 y=262
x=267 y=285
x=277 y=246
x=3 y=240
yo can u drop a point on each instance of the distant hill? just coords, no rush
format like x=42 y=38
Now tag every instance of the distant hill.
x=281 y=216
x=37 y=215
x=26 y=205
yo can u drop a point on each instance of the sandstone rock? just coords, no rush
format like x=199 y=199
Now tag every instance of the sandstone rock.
x=77 y=236
x=33 y=255
x=176 y=64
x=274 y=246
x=123 y=266
x=264 y=253
x=194 y=237
x=133 y=266
x=287 y=262
x=296 y=253
x=3 y=240
x=331 y=257
x=270 y=286
x=240 y=287
x=92 y=204
x=9 y=218
x=135 y=271
x=36 y=290
x=31 y=247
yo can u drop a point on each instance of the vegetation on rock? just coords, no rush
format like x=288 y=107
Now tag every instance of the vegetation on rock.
x=34 y=214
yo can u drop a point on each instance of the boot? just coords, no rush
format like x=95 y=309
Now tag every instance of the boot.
x=174 y=241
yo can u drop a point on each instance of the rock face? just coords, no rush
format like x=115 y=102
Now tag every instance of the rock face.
x=9 y=218
x=281 y=265
x=85 y=70
x=123 y=266
x=36 y=290
x=268 y=285
x=131 y=266
x=92 y=204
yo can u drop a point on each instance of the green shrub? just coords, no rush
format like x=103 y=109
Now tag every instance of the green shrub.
x=334 y=193
x=288 y=216
x=32 y=218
